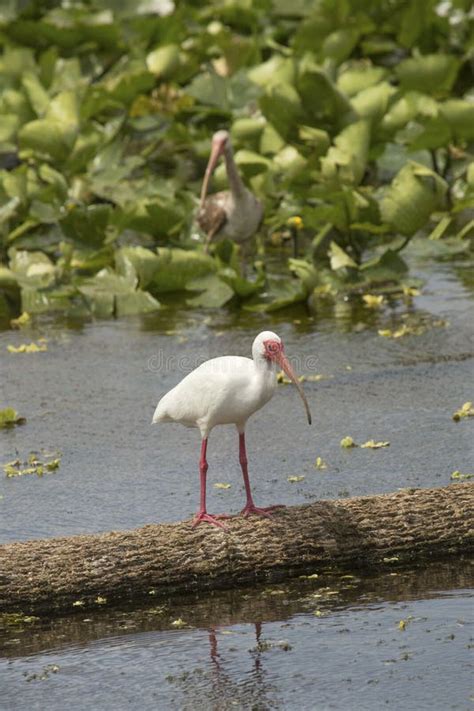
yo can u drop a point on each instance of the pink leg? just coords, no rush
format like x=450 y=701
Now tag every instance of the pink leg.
x=202 y=514
x=250 y=506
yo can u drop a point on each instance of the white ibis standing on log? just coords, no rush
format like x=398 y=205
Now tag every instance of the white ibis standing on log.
x=227 y=391
x=235 y=213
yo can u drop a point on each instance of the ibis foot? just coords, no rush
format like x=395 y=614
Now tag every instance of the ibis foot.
x=265 y=511
x=204 y=516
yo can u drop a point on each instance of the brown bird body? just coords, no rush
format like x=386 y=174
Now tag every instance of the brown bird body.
x=235 y=213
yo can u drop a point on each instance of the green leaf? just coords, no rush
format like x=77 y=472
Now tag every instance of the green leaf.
x=389 y=266
x=241 y=286
x=163 y=61
x=144 y=262
x=32 y=269
x=320 y=97
x=339 y=44
x=110 y=294
x=252 y=163
x=48 y=138
x=209 y=88
x=372 y=102
x=459 y=115
x=280 y=294
x=431 y=73
x=346 y=160
x=176 y=268
x=281 y=105
x=135 y=302
x=316 y=138
x=37 y=94
x=406 y=108
x=215 y=292
x=358 y=77
x=339 y=258
x=87 y=224
x=415 y=192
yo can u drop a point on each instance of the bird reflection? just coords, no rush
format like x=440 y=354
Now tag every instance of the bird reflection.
x=253 y=689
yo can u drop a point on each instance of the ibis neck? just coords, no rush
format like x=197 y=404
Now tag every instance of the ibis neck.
x=237 y=187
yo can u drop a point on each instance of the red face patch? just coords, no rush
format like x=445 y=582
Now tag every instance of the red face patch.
x=272 y=349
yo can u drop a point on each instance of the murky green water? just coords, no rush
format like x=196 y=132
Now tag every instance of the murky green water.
x=91 y=396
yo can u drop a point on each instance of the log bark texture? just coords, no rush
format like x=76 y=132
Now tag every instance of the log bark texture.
x=412 y=525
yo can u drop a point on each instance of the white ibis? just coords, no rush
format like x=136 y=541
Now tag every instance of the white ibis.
x=227 y=391
x=234 y=213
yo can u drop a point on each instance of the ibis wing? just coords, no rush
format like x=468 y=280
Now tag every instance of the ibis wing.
x=212 y=216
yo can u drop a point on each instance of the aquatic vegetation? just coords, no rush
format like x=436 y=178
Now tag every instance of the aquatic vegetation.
x=179 y=623
x=222 y=485
x=320 y=463
x=467 y=410
x=39 y=347
x=371 y=444
x=459 y=476
x=49 y=462
x=354 y=127
x=10 y=417
x=16 y=619
x=414 y=325
x=295 y=479
x=373 y=301
x=22 y=321
x=348 y=443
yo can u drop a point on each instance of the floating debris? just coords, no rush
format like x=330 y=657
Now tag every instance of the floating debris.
x=320 y=463
x=371 y=444
x=10 y=417
x=23 y=320
x=416 y=328
x=281 y=378
x=222 y=485
x=458 y=476
x=179 y=623
x=39 y=347
x=372 y=301
x=33 y=465
x=347 y=443
x=467 y=410
x=410 y=291
x=294 y=479
x=15 y=619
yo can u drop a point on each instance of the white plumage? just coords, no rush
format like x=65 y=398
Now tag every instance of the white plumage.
x=223 y=391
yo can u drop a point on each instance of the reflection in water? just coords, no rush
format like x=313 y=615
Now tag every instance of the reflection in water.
x=332 y=641
x=328 y=592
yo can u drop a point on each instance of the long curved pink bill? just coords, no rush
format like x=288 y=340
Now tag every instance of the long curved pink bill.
x=216 y=152
x=286 y=367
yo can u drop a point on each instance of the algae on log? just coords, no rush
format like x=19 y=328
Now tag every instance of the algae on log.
x=413 y=525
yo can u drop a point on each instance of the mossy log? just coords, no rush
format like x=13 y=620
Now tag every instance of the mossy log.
x=412 y=525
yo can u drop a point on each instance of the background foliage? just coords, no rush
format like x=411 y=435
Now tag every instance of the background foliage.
x=356 y=117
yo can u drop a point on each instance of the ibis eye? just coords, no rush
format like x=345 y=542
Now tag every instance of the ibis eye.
x=272 y=347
